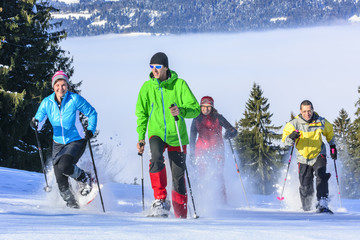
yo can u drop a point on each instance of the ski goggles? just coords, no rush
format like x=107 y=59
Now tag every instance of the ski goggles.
x=156 y=66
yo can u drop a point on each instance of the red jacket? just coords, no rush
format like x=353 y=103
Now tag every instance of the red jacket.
x=209 y=131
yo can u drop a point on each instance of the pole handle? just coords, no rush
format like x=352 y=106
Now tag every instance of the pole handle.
x=176 y=117
x=140 y=144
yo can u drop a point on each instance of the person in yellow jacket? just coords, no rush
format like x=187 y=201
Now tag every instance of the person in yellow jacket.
x=160 y=99
x=306 y=131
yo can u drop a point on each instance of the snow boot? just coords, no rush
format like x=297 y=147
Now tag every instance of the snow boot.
x=85 y=183
x=69 y=198
x=160 y=208
x=322 y=206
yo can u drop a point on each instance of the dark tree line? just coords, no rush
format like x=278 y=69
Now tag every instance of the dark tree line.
x=194 y=16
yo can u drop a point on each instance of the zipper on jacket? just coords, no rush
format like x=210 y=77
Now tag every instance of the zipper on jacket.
x=61 y=123
x=162 y=99
x=61 y=119
x=152 y=108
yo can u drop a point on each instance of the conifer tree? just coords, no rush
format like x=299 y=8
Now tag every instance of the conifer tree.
x=292 y=116
x=256 y=142
x=342 y=131
x=29 y=55
x=352 y=181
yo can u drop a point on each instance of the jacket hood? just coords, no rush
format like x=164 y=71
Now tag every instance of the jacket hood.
x=172 y=76
x=314 y=117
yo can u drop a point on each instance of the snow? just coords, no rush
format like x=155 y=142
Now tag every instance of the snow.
x=27 y=212
x=98 y=22
x=4 y=66
x=274 y=20
x=85 y=15
x=153 y=14
x=69 y=1
x=354 y=19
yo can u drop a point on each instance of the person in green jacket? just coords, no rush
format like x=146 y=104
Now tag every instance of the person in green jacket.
x=160 y=99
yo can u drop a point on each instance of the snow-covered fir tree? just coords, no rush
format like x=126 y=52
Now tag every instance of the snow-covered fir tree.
x=352 y=180
x=30 y=54
x=258 y=142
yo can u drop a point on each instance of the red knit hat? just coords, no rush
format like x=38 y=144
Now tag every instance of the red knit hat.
x=207 y=100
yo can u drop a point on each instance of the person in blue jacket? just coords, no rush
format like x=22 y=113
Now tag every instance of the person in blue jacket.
x=62 y=108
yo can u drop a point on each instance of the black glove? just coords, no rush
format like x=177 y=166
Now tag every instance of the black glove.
x=34 y=123
x=294 y=135
x=333 y=152
x=230 y=134
x=88 y=134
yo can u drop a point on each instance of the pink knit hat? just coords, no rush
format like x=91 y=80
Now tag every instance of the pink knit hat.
x=59 y=75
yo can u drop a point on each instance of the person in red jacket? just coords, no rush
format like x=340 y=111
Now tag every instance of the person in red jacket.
x=207 y=151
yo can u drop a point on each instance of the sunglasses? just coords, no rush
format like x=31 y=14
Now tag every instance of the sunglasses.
x=156 y=66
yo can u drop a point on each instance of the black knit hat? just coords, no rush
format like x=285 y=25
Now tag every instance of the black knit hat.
x=160 y=58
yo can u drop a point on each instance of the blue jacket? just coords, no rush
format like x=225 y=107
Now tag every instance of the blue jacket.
x=65 y=119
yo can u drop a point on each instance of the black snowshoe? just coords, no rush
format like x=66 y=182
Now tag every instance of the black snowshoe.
x=322 y=206
x=324 y=210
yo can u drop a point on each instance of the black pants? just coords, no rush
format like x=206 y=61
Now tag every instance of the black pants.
x=306 y=177
x=157 y=167
x=65 y=157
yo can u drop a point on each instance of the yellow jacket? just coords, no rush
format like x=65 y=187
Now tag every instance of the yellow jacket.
x=309 y=145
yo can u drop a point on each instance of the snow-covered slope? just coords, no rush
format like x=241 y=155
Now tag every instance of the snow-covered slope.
x=27 y=212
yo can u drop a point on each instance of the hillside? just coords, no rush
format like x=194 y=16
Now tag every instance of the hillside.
x=96 y=17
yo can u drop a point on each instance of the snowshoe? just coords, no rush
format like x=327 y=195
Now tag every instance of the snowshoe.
x=322 y=206
x=160 y=208
x=85 y=183
x=87 y=199
x=324 y=210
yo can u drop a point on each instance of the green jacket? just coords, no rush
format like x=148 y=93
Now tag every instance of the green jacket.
x=152 y=109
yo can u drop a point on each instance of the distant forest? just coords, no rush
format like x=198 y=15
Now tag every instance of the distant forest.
x=194 y=16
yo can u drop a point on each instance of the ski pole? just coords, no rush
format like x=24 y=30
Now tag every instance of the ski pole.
x=282 y=192
x=237 y=169
x=97 y=179
x=187 y=174
x=47 y=188
x=142 y=176
x=337 y=178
